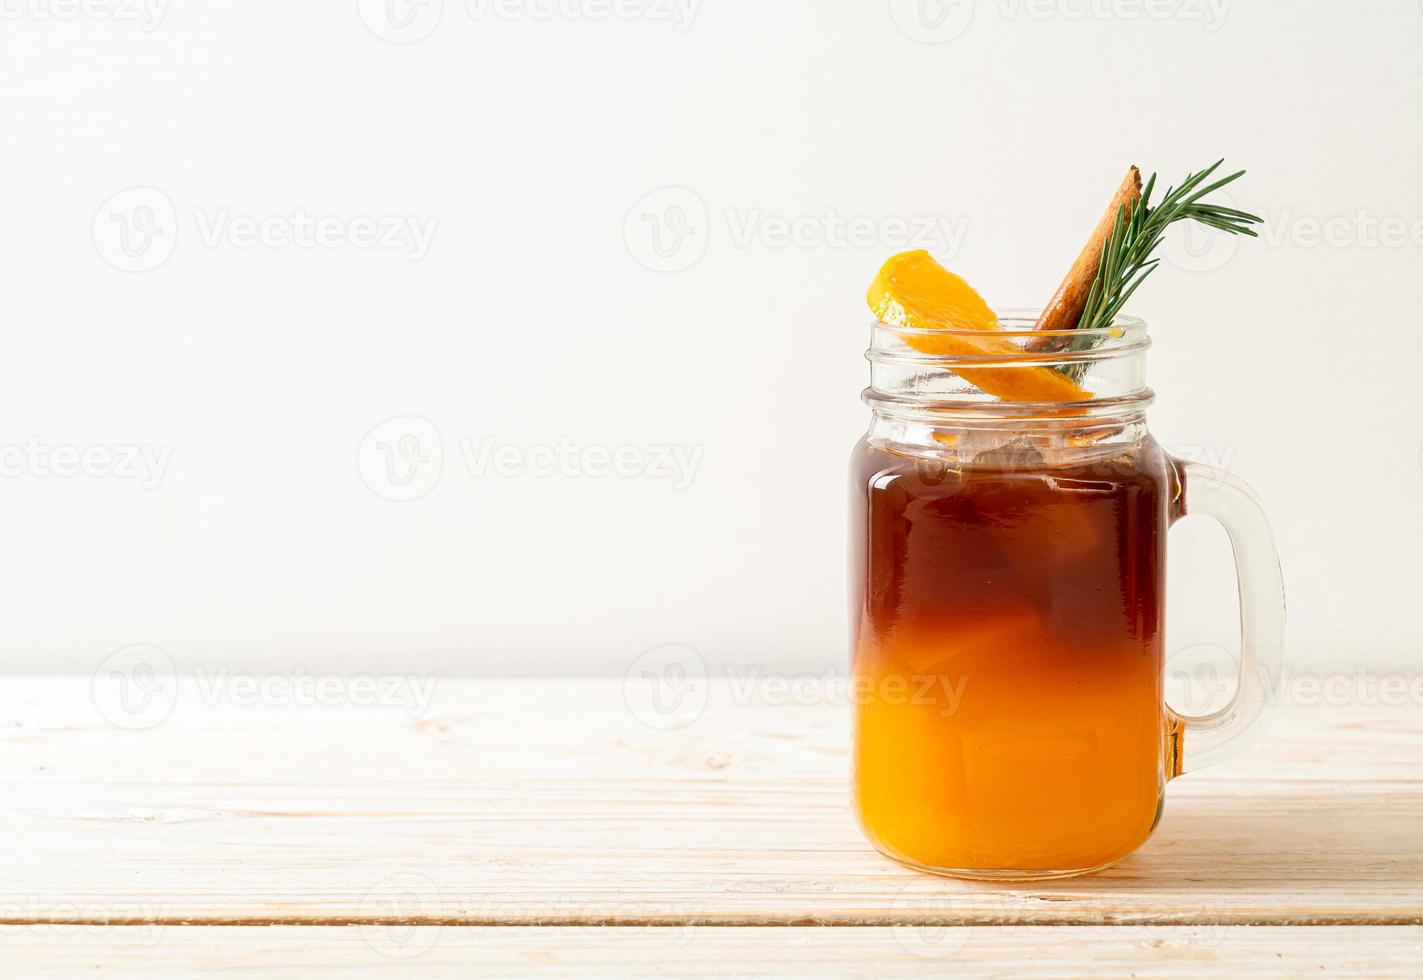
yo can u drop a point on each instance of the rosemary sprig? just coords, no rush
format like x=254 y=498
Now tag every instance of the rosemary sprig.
x=1126 y=256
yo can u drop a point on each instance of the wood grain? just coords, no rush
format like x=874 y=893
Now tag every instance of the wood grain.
x=1065 y=308
x=1186 y=952
x=552 y=803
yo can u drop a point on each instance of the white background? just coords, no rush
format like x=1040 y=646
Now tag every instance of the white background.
x=532 y=141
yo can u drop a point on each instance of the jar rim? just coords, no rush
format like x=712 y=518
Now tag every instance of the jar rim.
x=1017 y=323
x=906 y=379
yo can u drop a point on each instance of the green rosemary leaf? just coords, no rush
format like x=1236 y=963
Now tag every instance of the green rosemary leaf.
x=1127 y=254
x=1146 y=270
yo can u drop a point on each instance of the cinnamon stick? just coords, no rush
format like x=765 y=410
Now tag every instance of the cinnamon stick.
x=1071 y=297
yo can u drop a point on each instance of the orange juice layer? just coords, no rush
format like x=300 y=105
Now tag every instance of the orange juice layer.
x=1007 y=660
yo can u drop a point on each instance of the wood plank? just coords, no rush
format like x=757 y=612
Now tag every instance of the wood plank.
x=964 y=951
x=550 y=802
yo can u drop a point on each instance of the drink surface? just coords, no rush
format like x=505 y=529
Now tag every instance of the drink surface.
x=1007 y=657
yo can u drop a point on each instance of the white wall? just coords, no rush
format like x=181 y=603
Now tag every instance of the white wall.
x=531 y=142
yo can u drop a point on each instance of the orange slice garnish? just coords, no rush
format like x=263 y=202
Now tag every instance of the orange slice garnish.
x=914 y=291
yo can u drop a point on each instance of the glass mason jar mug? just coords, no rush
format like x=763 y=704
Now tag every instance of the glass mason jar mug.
x=1007 y=589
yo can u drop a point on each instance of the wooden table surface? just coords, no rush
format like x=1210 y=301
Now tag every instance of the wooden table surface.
x=566 y=826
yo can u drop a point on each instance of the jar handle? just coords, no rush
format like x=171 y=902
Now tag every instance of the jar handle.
x=1217 y=736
